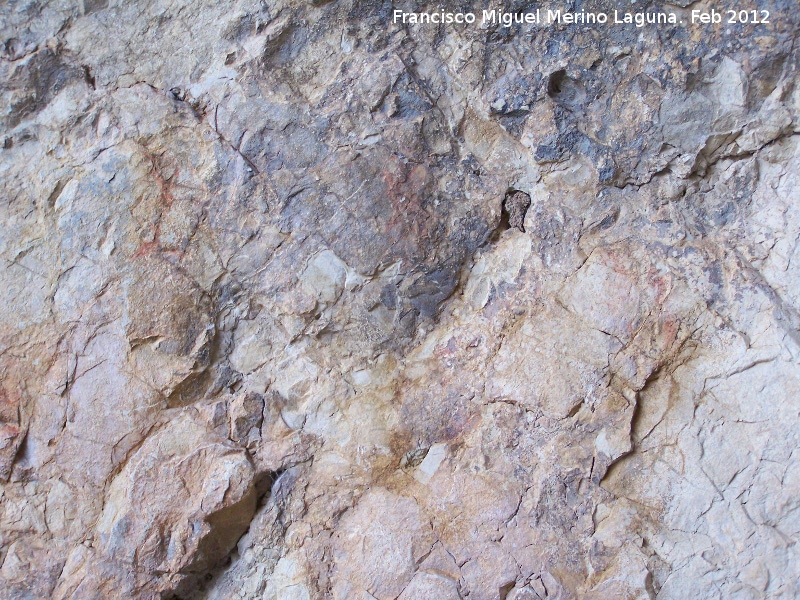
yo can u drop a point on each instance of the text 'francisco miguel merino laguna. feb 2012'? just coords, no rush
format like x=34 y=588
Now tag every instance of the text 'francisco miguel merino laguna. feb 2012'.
x=560 y=17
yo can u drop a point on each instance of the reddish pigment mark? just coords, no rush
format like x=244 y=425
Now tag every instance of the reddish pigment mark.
x=668 y=331
x=9 y=407
x=405 y=188
x=165 y=200
x=447 y=349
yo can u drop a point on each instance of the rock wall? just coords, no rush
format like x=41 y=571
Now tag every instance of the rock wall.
x=299 y=303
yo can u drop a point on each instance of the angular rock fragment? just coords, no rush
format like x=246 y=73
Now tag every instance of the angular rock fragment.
x=516 y=205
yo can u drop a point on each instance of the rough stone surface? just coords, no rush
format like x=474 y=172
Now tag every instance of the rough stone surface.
x=516 y=205
x=267 y=334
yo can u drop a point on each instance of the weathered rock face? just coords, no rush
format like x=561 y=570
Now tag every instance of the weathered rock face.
x=300 y=303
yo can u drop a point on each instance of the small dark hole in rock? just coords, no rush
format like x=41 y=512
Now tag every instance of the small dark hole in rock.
x=506 y=590
x=90 y=79
x=555 y=82
x=264 y=484
x=565 y=90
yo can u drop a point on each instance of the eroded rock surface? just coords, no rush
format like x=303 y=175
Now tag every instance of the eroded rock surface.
x=299 y=303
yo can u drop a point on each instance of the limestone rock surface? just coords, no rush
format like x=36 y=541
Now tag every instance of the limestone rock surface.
x=301 y=303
